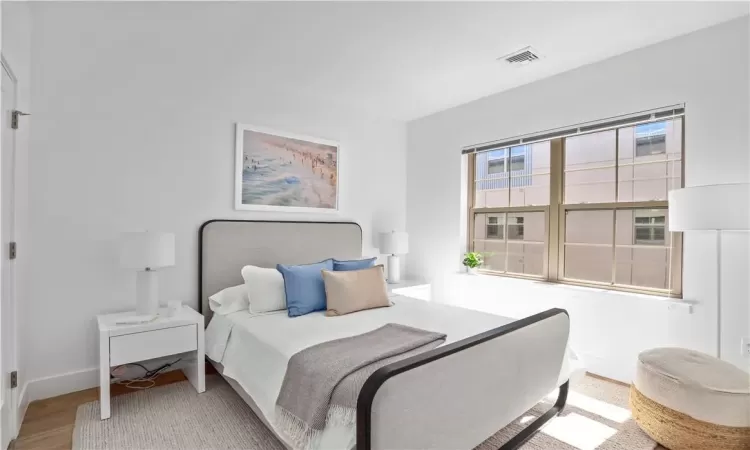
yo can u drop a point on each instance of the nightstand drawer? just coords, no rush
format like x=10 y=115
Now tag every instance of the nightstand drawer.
x=152 y=344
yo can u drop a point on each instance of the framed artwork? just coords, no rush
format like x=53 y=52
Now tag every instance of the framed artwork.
x=278 y=171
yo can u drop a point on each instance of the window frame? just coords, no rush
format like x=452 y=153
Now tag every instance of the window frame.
x=553 y=269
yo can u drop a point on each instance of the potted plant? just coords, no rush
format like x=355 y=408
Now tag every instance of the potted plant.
x=472 y=261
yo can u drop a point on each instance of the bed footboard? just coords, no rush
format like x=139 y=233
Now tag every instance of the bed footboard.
x=456 y=396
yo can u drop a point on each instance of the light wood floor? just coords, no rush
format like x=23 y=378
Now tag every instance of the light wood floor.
x=48 y=424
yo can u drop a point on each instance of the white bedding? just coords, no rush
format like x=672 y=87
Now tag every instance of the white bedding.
x=254 y=350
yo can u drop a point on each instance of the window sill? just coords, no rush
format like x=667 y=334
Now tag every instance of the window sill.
x=672 y=304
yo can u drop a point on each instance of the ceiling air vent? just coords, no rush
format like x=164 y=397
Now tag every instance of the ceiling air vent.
x=521 y=57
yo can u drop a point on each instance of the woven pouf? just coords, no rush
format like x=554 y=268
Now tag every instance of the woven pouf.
x=686 y=400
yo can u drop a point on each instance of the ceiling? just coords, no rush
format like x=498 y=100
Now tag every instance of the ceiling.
x=403 y=60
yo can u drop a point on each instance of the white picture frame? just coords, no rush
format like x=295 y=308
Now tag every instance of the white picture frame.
x=290 y=171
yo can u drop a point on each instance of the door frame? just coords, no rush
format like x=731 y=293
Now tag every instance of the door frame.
x=13 y=357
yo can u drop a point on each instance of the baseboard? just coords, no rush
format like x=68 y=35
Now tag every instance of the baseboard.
x=610 y=380
x=64 y=383
x=616 y=370
x=23 y=405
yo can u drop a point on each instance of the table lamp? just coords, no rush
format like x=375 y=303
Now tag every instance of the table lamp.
x=394 y=243
x=145 y=252
x=714 y=207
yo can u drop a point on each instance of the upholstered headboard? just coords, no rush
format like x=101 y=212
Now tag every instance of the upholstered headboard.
x=228 y=245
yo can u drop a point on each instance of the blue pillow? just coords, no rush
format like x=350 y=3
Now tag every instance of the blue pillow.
x=304 y=288
x=356 y=264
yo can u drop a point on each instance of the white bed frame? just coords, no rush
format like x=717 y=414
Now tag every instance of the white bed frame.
x=453 y=397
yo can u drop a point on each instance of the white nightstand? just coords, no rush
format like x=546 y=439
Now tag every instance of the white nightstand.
x=122 y=344
x=411 y=288
x=405 y=284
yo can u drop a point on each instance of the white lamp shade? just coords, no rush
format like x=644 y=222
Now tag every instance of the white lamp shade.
x=712 y=207
x=394 y=243
x=142 y=249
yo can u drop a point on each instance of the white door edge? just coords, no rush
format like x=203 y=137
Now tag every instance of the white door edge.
x=9 y=402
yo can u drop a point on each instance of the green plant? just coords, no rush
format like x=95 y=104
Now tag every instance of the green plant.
x=473 y=260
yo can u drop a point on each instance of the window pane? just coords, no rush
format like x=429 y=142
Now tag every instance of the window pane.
x=642 y=252
x=674 y=154
x=494 y=228
x=496 y=161
x=643 y=234
x=489 y=231
x=515 y=227
x=590 y=168
x=650 y=139
x=588 y=245
x=650 y=161
x=491 y=179
x=526 y=241
x=530 y=166
x=517 y=162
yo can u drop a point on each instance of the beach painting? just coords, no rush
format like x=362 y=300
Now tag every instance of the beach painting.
x=277 y=171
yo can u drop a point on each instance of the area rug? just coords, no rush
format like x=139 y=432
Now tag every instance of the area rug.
x=176 y=417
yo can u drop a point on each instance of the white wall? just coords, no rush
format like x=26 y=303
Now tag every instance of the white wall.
x=16 y=42
x=134 y=112
x=609 y=329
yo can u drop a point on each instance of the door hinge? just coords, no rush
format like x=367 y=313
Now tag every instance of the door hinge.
x=12 y=250
x=14 y=115
x=13 y=379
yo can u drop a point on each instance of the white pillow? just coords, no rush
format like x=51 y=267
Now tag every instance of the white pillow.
x=265 y=289
x=229 y=300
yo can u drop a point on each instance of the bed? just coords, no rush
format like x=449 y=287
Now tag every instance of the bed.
x=490 y=370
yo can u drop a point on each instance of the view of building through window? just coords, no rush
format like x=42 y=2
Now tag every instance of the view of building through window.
x=608 y=190
x=650 y=139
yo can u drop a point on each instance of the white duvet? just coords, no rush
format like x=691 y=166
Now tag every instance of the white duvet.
x=255 y=350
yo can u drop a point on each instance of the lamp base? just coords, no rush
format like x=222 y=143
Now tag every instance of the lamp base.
x=147 y=293
x=394 y=270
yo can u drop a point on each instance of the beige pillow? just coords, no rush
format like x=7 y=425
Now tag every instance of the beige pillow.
x=355 y=290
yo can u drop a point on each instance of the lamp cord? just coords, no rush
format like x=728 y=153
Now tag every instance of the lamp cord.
x=149 y=378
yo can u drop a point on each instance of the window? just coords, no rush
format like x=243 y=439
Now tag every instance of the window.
x=496 y=162
x=650 y=139
x=515 y=228
x=517 y=158
x=649 y=227
x=494 y=230
x=588 y=209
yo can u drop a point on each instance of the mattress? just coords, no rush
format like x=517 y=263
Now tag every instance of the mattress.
x=254 y=350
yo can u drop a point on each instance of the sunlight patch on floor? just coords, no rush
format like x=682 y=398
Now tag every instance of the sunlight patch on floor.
x=594 y=406
x=598 y=407
x=579 y=431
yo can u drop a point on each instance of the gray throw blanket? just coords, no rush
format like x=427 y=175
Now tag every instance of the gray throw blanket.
x=322 y=382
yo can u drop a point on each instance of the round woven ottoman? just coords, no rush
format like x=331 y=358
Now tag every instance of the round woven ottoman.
x=689 y=400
